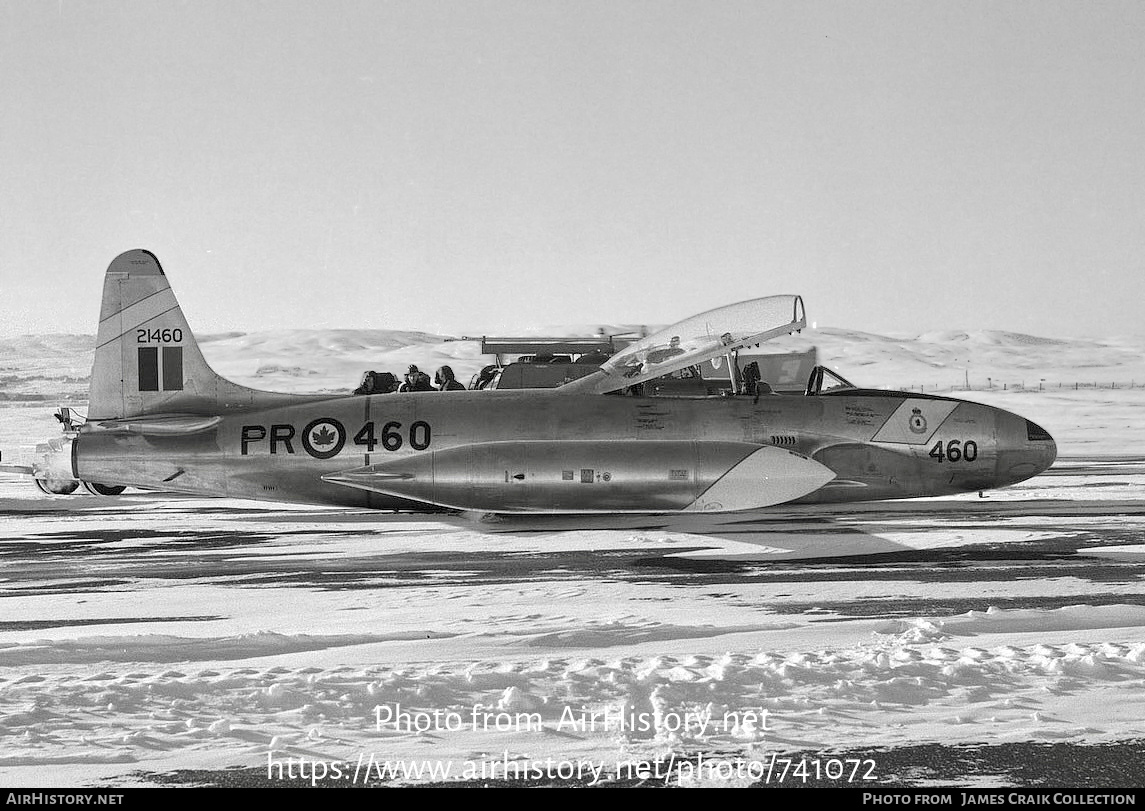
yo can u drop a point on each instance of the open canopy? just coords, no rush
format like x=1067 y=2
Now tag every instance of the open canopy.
x=695 y=340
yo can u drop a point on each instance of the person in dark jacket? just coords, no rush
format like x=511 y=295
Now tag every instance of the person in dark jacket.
x=416 y=380
x=369 y=384
x=377 y=383
x=385 y=383
x=483 y=378
x=446 y=381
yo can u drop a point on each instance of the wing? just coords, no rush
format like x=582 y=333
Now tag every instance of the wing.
x=695 y=340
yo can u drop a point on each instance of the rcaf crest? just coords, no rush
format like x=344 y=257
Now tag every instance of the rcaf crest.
x=917 y=421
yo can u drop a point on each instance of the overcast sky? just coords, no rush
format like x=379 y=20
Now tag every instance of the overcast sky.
x=470 y=166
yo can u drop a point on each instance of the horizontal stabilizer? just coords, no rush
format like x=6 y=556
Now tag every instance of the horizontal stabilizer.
x=160 y=425
x=584 y=476
x=10 y=468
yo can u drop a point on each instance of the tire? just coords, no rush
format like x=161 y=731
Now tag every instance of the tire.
x=57 y=487
x=97 y=489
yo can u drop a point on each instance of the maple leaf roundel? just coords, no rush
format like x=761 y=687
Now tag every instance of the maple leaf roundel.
x=323 y=438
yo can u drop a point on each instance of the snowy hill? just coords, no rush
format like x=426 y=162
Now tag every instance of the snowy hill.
x=333 y=360
x=945 y=359
x=1087 y=392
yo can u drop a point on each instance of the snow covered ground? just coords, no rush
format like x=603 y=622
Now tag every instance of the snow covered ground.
x=161 y=638
x=154 y=634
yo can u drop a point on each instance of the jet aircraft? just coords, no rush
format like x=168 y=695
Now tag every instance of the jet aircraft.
x=160 y=418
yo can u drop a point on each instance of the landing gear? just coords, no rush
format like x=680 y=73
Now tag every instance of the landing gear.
x=103 y=489
x=57 y=487
x=65 y=487
x=52 y=467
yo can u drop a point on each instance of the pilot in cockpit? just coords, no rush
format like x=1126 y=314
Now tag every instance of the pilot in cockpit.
x=753 y=382
x=368 y=384
x=377 y=383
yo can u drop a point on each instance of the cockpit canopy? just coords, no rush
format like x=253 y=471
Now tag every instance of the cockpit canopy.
x=825 y=381
x=712 y=334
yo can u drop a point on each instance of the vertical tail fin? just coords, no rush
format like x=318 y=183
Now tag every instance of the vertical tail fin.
x=146 y=359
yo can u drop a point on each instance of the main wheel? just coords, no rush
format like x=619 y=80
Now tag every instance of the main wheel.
x=97 y=489
x=57 y=487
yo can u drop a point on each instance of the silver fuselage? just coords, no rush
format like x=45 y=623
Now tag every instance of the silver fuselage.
x=879 y=445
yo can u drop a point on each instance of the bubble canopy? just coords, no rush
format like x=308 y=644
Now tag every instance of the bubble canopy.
x=694 y=340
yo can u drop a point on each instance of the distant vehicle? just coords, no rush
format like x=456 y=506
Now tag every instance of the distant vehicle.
x=544 y=363
x=524 y=374
x=160 y=418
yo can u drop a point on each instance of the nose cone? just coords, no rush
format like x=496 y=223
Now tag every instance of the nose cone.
x=1025 y=449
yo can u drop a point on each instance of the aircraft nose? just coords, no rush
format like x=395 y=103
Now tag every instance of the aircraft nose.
x=1025 y=449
